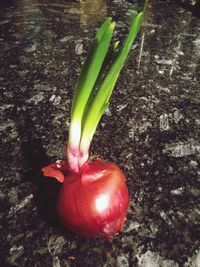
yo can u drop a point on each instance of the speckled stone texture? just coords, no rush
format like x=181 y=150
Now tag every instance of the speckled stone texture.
x=151 y=130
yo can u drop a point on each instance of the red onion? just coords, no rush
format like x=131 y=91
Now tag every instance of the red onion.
x=93 y=199
x=93 y=202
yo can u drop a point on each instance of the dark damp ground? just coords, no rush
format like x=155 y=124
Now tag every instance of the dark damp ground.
x=151 y=129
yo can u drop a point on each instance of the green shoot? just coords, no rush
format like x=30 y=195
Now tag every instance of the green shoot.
x=84 y=88
x=94 y=88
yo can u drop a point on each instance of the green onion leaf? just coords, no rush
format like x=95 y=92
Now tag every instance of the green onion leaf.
x=94 y=87
x=85 y=85
x=101 y=99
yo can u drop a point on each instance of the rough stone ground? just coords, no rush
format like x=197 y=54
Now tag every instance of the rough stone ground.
x=153 y=122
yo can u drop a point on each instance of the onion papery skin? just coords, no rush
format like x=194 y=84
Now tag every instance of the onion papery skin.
x=94 y=202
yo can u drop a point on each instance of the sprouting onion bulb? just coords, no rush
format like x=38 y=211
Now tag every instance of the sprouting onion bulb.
x=94 y=199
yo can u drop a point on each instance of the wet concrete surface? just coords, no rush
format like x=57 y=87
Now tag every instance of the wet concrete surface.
x=153 y=122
